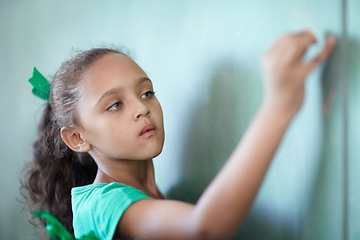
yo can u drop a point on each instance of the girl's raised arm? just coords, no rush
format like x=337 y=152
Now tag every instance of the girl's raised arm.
x=225 y=203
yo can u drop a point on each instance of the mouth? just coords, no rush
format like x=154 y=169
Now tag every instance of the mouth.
x=148 y=130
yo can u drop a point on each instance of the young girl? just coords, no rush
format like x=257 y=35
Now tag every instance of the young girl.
x=103 y=126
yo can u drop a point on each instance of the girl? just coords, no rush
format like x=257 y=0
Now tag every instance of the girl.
x=103 y=126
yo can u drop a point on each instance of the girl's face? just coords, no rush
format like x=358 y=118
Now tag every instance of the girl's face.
x=119 y=114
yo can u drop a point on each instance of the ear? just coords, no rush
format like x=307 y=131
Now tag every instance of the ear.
x=75 y=141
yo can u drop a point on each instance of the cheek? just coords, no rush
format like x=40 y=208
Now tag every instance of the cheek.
x=106 y=134
x=160 y=121
x=114 y=134
x=157 y=112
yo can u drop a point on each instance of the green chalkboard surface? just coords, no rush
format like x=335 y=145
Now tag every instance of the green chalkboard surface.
x=204 y=59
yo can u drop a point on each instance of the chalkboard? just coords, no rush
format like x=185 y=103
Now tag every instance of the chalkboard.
x=204 y=59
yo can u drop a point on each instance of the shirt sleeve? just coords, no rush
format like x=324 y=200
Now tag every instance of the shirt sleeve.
x=111 y=206
x=106 y=207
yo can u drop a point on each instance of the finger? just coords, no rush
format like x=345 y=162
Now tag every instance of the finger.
x=291 y=47
x=304 y=39
x=329 y=46
x=294 y=39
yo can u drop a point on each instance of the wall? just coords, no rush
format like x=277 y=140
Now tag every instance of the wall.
x=203 y=57
x=353 y=118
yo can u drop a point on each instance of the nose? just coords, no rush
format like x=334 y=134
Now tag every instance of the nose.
x=141 y=110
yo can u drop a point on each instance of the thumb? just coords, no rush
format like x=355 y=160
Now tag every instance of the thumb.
x=326 y=51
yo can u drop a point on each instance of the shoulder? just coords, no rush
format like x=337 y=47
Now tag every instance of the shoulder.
x=98 y=207
x=101 y=192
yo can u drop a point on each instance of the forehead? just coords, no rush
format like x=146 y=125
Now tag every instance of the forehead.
x=110 y=71
x=113 y=64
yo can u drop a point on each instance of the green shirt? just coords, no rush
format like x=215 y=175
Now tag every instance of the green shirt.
x=99 y=207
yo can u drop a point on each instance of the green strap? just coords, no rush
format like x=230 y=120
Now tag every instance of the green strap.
x=41 y=85
x=57 y=231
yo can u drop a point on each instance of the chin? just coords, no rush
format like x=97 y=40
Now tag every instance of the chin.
x=156 y=152
x=156 y=149
x=150 y=151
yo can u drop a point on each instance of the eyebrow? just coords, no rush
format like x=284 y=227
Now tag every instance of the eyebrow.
x=118 y=89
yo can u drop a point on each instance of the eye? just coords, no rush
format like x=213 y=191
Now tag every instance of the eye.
x=148 y=94
x=115 y=106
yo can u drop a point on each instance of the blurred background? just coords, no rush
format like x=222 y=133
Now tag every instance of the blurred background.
x=204 y=59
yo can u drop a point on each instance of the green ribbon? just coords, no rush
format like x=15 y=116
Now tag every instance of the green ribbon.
x=41 y=85
x=57 y=231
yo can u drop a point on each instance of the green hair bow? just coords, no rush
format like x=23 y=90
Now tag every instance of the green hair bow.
x=57 y=231
x=41 y=85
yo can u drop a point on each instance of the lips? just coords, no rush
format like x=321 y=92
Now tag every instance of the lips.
x=149 y=129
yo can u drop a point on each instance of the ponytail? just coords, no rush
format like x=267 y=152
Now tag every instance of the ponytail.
x=55 y=168
x=54 y=171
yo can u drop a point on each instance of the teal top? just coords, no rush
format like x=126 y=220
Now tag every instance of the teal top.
x=99 y=207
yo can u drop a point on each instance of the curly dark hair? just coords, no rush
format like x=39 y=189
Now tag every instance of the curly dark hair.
x=55 y=168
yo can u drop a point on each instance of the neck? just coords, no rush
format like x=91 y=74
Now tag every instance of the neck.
x=137 y=174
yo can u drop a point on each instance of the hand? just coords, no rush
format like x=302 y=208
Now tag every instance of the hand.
x=285 y=72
